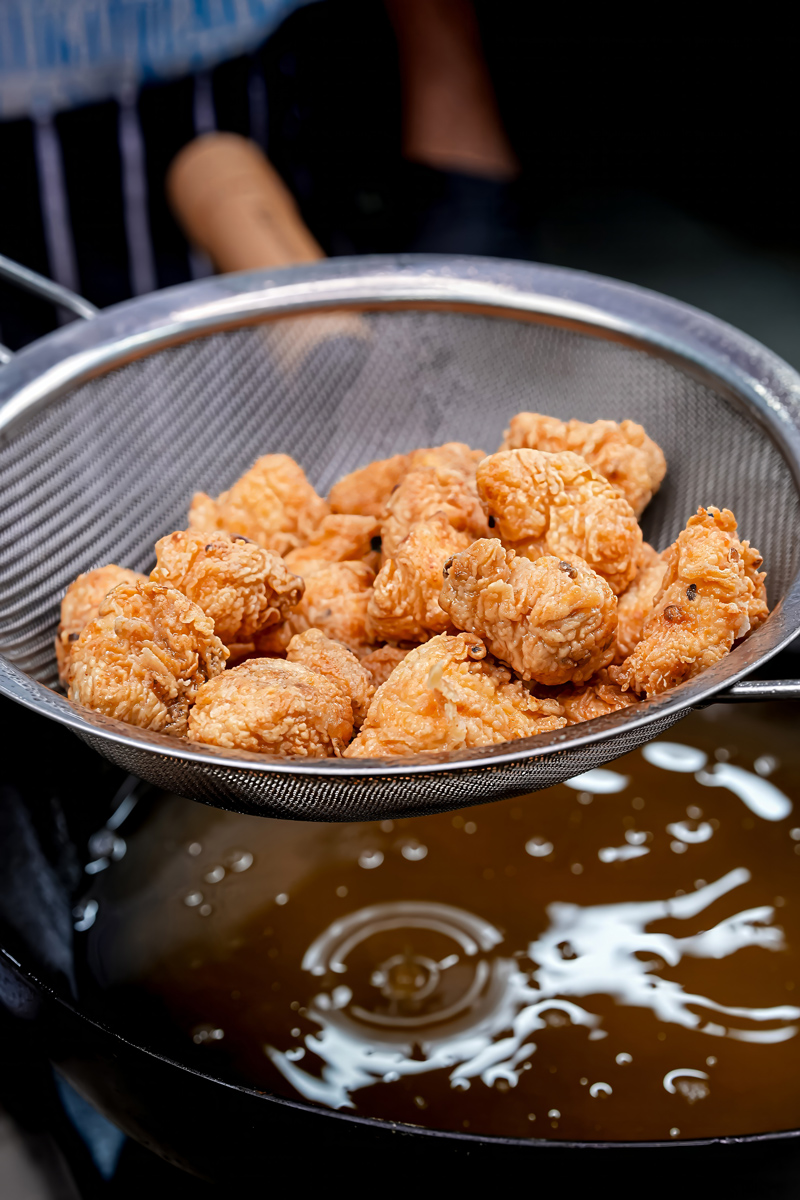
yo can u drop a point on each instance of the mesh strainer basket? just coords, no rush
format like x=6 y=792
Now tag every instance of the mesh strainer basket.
x=108 y=427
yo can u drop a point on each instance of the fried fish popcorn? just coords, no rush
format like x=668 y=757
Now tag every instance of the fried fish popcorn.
x=144 y=656
x=81 y=604
x=441 y=479
x=712 y=594
x=273 y=707
x=542 y=503
x=636 y=602
x=339 y=538
x=338 y=664
x=552 y=620
x=273 y=504
x=597 y=698
x=447 y=694
x=366 y=490
x=404 y=606
x=335 y=600
x=381 y=662
x=241 y=586
x=621 y=452
x=454 y=454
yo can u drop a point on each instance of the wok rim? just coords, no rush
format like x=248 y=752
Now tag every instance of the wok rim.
x=740 y=368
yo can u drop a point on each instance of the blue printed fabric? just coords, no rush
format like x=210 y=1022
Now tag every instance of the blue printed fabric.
x=57 y=54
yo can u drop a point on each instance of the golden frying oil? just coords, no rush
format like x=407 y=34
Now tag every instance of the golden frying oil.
x=613 y=959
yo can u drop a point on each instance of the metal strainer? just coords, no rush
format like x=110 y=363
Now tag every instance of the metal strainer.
x=109 y=426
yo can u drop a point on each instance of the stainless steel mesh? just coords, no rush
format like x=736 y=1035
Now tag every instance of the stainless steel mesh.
x=98 y=474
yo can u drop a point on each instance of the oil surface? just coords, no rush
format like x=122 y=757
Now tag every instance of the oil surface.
x=613 y=959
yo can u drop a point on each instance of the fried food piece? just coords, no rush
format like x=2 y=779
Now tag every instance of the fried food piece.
x=622 y=453
x=81 y=604
x=335 y=600
x=404 y=606
x=636 y=602
x=144 y=656
x=339 y=538
x=338 y=664
x=240 y=585
x=273 y=504
x=556 y=504
x=366 y=490
x=551 y=620
x=273 y=707
x=204 y=513
x=711 y=595
x=597 y=698
x=453 y=454
x=381 y=662
x=449 y=695
x=441 y=479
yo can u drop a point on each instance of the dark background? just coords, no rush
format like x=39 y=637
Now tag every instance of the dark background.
x=660 y=157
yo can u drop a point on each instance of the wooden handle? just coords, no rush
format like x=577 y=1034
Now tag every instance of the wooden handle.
x=233 y=204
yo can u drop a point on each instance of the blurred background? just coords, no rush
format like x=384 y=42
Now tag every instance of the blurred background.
x=657 y=153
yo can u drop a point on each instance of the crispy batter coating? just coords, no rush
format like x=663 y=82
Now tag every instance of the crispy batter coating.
x=596 y=698
x=81 y=604
x=144 y=656
x=335 y=600
x=404 y=606
x=552 y=620
x=338 y=664
x=441 y=479
x=339 y=538
x=204 y=513
x=712 y=594
x=454 y=454
x=622 y=453
x=240 y=585
x=273 y=504
x=448 y=695
x=636 y=602
x=273 y=707
x=556 y=504
x=381 y=662
x=366 y=490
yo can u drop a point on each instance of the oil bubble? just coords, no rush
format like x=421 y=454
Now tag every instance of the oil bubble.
x=538 y=848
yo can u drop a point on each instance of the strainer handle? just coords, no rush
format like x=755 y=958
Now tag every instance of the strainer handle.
x=31 y=281
x=757 y=689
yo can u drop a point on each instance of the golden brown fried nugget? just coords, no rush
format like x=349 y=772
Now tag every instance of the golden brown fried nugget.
x=144 y=656
x=273 y=707
x=381 y=662
x=273 y=504
x=240 y=585
x=636 y=602
x=453 y=454
x=339 y=538
x=404 y=606
x=597 y=698
x=81 y=604
x=449 y=695
x=441 y=479
x=338 y=664
x=366 y=490
x=712 y=594
x=551 y=620
x=335 y=600
x=622 y=453
x=556 y=504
